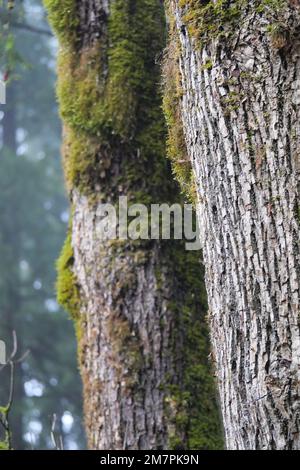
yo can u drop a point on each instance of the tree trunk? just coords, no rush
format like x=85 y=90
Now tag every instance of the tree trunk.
x=139 y=306
x=239 y=99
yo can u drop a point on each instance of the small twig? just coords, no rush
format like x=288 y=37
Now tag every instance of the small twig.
x=57 y=440
x=4 y=415
x=53 y=430
x=11 y=387
x=15 y=345
x=14 y=353
x=31 y=29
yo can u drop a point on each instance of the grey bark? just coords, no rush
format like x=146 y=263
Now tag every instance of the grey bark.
x=241 y=117
x=128 y=345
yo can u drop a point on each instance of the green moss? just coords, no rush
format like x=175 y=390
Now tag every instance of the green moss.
x=137 y=35
x=6 y=443
x=80 y=163
x=109 y=88
x=270 y=6
x=3 y=445
x=209 y=20
x=81 y=90
x=231 y=102
x=109 y=99
x=68 y=295
x=205 y=429
x=63 y=17
x=208 y=65
x=176 y=145
x=67 y=289
x=192 y=401
x=278 y=28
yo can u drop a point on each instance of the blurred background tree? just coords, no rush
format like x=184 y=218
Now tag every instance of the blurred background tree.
x=33 y=223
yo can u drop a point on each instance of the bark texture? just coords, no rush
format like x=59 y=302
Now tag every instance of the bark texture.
x=240 y=106
x=139 y=306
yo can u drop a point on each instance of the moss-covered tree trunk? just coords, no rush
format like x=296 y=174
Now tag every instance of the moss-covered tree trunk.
x=238 y=93
x=139 y=306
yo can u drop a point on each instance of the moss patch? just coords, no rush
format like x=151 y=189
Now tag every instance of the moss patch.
x=176 y=145
x=5 y=444
x=192 y=403
x=64 y=19
x=111 y=105
x=67 y=290
x=207 y=20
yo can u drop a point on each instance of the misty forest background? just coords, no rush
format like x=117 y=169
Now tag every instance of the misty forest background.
x=34 y=220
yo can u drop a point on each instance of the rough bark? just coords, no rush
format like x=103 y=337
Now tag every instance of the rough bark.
x=139 y=306
x=133 y=352
x=240 y=107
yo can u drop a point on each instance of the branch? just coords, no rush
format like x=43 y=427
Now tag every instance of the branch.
x=9 y=18
x=12 y=357
x=56 y=439
x=32 y=29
